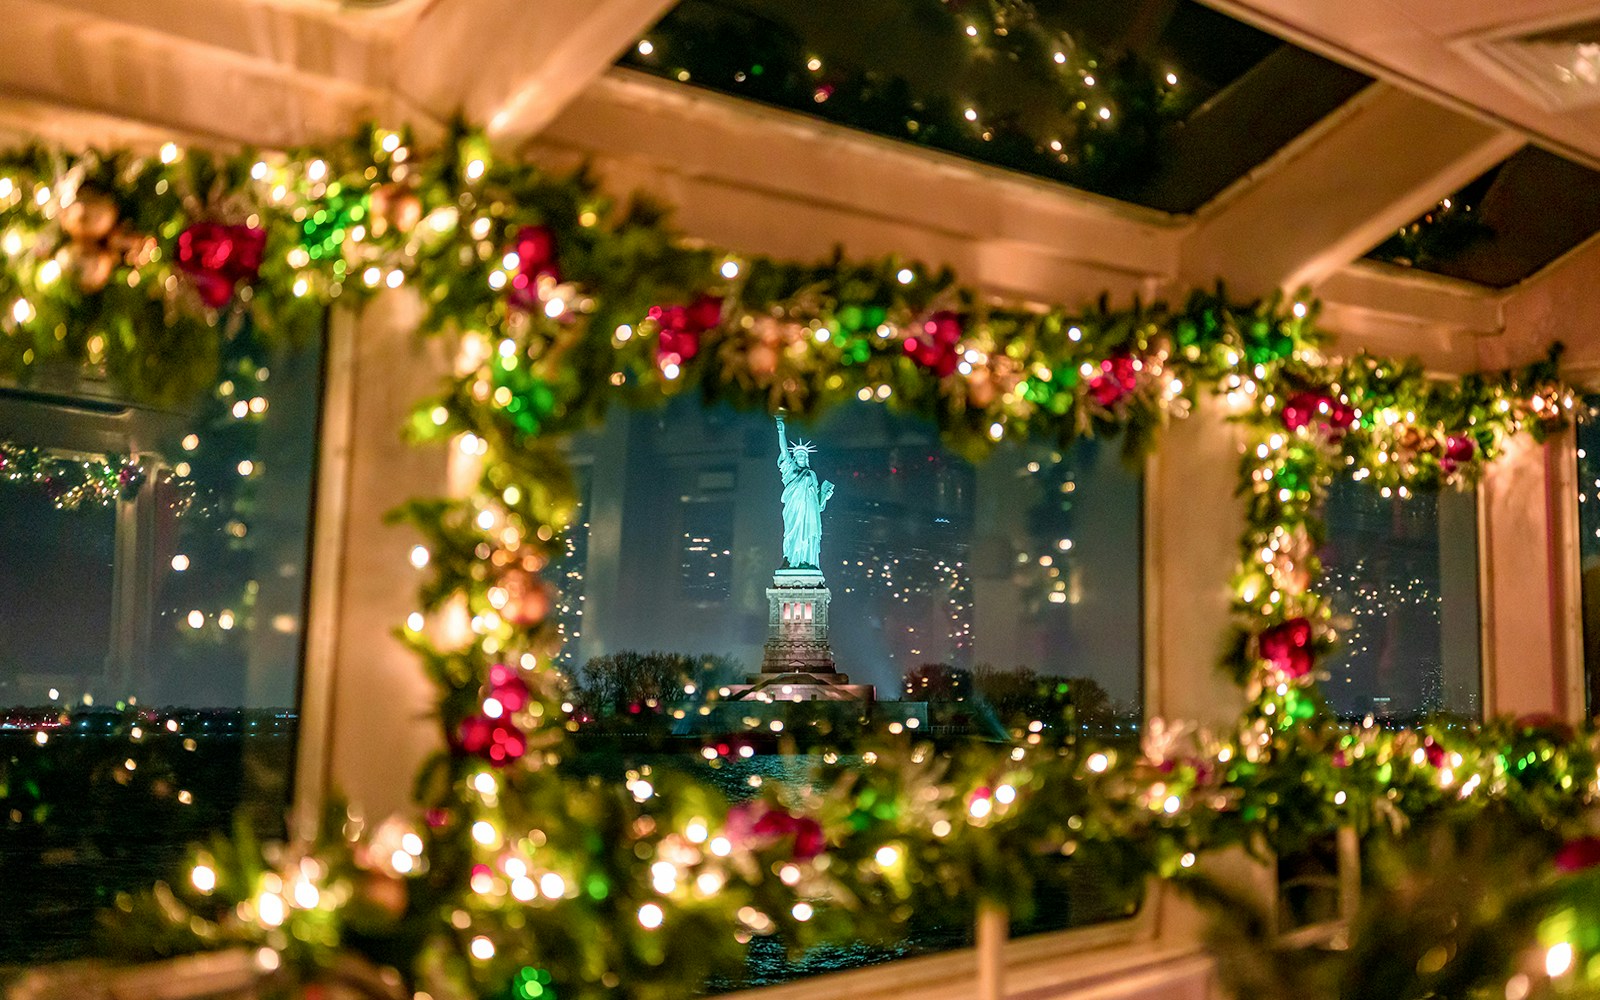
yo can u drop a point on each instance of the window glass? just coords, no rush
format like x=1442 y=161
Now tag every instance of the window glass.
x=1165 y=106
x=1504 y=226
x=947 y=596
x=1403 y=576
x=153 y=568
x=1589 y=542
x=54 y=626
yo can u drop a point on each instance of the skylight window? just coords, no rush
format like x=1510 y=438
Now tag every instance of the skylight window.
x=1156 y=103
x=1504 y=226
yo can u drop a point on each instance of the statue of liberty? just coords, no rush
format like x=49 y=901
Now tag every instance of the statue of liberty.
x=805 y=497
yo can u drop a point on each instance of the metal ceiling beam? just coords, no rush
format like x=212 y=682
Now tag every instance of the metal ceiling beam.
x=1378 y=163
x=511 y=64
x=758 y=180
x=285 y=73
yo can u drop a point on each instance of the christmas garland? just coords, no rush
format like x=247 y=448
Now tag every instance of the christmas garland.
x=520 y=876
x=72 y=482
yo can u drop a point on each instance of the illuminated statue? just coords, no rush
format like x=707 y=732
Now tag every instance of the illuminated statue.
x=805 y=497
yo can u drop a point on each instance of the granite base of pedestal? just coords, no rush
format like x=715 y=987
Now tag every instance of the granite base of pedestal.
x=794 y=686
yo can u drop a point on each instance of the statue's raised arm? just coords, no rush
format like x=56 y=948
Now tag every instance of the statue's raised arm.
x=783 y=441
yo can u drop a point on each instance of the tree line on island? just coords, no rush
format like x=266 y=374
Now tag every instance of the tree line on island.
x=633 y=690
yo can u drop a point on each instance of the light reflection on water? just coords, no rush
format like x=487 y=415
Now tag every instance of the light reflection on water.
x=1087 y=896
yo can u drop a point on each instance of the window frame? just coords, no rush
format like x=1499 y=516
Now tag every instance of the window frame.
x=1565 y=530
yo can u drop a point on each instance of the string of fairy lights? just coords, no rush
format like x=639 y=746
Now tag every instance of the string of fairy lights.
x=516 y=871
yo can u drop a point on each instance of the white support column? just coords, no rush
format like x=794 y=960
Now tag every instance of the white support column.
x=1561 y=465
x=523 y=61
x=1522 y=669
x=1193 y=521
x=366 y=707
x=993 y=927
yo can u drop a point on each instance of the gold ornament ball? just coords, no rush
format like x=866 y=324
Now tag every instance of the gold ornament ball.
x=527 y=598
x=90 y=218
x=981 y=390
x=385 y=892
x=94 y=269
x=394 y=205
x=762 y=359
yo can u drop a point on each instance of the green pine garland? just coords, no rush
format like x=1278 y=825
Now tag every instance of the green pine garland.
x=518 y=871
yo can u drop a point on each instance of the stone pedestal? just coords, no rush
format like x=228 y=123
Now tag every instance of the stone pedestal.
x=797 y=661
x=797 y=624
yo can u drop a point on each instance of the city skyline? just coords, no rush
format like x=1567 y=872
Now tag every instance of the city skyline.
x=931 y=558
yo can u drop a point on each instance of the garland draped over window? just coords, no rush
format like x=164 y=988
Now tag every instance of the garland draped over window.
x=519 y=878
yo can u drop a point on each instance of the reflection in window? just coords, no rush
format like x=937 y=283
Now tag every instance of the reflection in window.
x=150 y=635
x=946 y=593
x=1499 y=229
x=1403 y=576
x=54 y=626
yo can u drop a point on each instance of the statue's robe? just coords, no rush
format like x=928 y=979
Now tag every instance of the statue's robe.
x=802 y=515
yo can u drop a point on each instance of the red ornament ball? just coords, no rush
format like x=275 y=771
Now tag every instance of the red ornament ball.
x=1578 y=855
x=759 y=824
x=218 y=257
x=683 y=327
x=1287 y=647
x=495 y=740
x=1305 y=409
x=1434 y=751
x=935 y=344
x=508 y=688
x=1458 y=450
x=535 y=247
x=1119 y=376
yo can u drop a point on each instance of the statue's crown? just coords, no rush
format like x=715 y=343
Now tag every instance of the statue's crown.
x=803 y=446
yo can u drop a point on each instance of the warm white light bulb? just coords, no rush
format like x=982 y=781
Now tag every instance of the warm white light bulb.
x=1558 y=959
x=204 y=878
